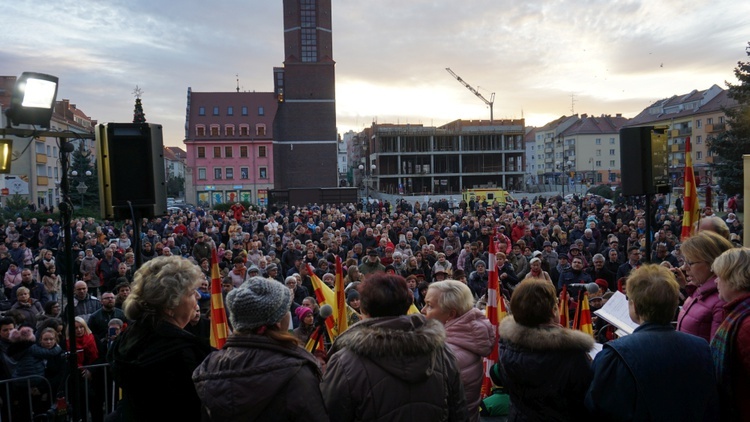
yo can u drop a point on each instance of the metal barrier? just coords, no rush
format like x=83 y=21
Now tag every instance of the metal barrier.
x=33 y=398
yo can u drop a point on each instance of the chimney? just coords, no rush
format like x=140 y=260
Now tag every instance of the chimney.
x=618 y=115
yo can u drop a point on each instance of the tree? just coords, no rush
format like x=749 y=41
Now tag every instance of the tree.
x=175 y=186
x=81 y=163
x=735 y=140
x=138 y=115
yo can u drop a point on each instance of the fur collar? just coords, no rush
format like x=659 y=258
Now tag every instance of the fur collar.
x=408 y=335
x=544 y=337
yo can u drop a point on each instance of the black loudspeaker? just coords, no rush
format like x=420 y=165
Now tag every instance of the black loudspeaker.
x=644 y=161
x=131 y=170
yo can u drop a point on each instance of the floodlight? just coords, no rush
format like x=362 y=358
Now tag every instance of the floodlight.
x=33 y=99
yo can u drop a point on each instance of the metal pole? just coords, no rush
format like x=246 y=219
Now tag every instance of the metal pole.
x=66 y=210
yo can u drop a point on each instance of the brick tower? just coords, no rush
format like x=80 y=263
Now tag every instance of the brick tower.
x=305 y=145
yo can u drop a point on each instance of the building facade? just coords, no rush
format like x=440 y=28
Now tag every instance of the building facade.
x=696 y=115
x=413 y=159
x=229 y=146
x=592 y=144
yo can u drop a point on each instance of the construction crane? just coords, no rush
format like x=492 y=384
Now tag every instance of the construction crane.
x=489 y=102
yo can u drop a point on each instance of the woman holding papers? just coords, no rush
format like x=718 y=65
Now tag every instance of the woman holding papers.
x=656 y=373
x=731 y=345
x=703 y=310
x=544 y=367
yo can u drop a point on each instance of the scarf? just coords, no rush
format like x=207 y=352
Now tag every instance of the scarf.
x=722 y=349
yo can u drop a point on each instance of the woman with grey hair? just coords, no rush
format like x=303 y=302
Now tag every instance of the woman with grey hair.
x=536 y=270
x=468 y=333
x=154 y=359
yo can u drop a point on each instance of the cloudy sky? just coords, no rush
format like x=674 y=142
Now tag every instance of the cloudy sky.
x=542 y=59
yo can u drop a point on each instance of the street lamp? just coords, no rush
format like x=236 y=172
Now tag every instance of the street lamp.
x=81 y=187
x=366 y=179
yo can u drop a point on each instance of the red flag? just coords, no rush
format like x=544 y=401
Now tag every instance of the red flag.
x=564 y=312
x=692 y=212
x=495 y=312
x=219 y=329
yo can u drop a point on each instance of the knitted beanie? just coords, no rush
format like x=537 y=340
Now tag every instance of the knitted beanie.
x=302 y=312
x=258 y=302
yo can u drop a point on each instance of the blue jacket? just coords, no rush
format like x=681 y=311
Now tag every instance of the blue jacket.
x=655 y=374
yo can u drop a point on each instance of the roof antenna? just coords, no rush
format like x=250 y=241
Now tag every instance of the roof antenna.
x=238 y=82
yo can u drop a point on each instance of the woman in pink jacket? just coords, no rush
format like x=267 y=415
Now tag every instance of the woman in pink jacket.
x=703 y=310
x=469 y=334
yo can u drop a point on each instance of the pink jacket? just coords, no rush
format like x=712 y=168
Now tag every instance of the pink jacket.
x=471 y=337
x=702 y=312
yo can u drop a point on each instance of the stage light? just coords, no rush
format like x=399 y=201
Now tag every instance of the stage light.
x=6 y=148
x=33 y=99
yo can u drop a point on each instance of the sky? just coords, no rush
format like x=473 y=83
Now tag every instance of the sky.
x=541 y=59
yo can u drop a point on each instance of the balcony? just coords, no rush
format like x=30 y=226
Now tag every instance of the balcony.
x=678 y=148
x=685 y=131
x=716 y=127
x=41 y=158
x=549 y=150
x=42 y=180
x=710 y=160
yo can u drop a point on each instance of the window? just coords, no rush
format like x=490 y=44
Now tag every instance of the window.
x=611 y=141
x=262 y=173
x=262 y=151
x=244 y=110
x=230 y=111
x=598 y=141
x=244 y=172
x=217 y=152
x=201 y=152
x=710 y=121
x=229 y=172
x=308 y=33
x=54 y=152
x=611 y=163
x=598 y=163
x=214 y=130
x=699 y=155
x=201 y=174
x=261 y=111
x=699 y=139
x=227 y=152
x=611 y=152
x=260 y=130
x=200 y=130
x=229 y=129
x=243 y=151
x=216 y=110
x=598 y=153
x=201 y=111
x=698 y=123
x=217 y=173
x=49 y=150
x=721 y=119
x=244 y=130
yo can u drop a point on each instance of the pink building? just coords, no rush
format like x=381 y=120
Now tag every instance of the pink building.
x=229 y=142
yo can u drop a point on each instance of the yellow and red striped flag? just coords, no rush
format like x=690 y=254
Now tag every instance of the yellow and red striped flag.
x=325 y=296
x=582 y=321
x=496 y=311
x=564 y=312
x=219 y=329
x=692 y=211
x=342 y=322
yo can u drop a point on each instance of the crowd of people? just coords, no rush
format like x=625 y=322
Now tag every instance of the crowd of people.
x=151 y=323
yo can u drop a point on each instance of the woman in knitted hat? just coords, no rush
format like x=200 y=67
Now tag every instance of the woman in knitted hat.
x=153 y=360
x=261 y=373
x=306 y=323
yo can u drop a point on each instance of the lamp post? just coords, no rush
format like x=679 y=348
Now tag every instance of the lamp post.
x=366 y=180
x=81 y=187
